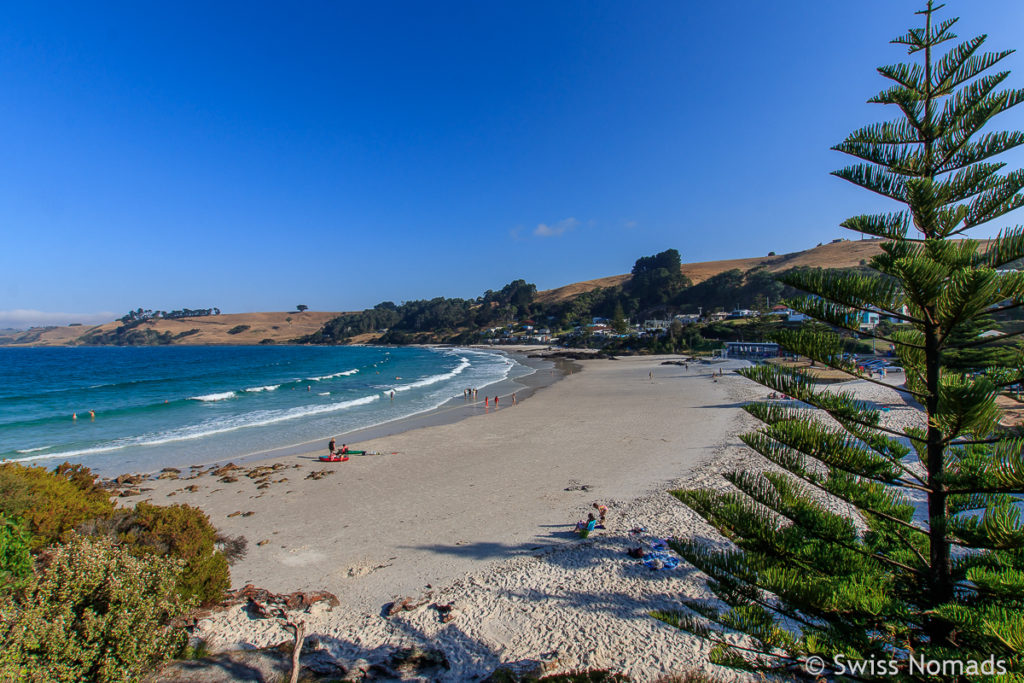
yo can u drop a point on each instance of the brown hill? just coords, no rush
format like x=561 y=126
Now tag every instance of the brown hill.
x=841 y=254
x=212 y=329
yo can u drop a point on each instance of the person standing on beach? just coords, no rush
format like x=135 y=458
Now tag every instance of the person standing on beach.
x=514 y=402
x=331 y=446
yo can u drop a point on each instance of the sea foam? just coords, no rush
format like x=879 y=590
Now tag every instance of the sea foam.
x=345 y=373
x=434 y=379
x=269 y=387
x=223 y=396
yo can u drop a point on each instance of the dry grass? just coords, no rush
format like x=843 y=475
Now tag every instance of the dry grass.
x=213 y=330
x=845 y=254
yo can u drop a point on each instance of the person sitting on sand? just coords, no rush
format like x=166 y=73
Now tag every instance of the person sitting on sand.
x=602 y=510
x=344 y=448
x=585 y=524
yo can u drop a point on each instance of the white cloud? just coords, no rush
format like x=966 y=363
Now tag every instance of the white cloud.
x=20 y=318
x=559 y=228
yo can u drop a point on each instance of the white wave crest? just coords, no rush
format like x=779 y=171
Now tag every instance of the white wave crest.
x=223 y=396
x=434 y=379
x=269 y=387
x=344 y=373
x=33 y=450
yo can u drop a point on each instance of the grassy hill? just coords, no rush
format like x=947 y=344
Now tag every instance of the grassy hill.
x=842 y=254
x=226 y=329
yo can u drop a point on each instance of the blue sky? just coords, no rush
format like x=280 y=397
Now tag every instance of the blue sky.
x=255 y=156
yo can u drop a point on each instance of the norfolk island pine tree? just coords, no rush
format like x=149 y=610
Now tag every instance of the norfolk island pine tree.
x=883 y=584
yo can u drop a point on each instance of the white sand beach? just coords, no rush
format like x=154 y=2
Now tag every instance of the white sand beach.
x=478 y=515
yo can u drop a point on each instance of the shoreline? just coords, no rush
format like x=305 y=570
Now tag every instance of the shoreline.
x=544 y=373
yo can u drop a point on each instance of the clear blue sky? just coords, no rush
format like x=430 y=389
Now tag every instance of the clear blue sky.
x=257 y=155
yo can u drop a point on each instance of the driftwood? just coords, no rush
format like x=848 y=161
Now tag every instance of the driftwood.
x=263 y=604
x=300 y=637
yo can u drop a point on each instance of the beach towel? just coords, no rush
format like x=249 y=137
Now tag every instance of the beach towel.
x=660 y=559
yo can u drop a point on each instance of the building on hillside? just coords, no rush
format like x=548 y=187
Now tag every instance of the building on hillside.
x=651 y=325
x=687 y=318
x=720 y=315
x=742 y=313
x=868 y=320
x=751 y=349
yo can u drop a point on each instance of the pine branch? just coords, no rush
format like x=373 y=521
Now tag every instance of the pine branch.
x=815 y=482
x=1005 y=248
x=793 y=387
x=889 y=226
x=964 y=102
x=955 y=68
x=984 y=342
x=872 y=178
x=906 y=542
x=964 y=152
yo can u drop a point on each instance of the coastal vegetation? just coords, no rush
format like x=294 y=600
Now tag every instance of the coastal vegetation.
x=655 y=288
x=92 y=592
x=142 y=315
x=869 y=548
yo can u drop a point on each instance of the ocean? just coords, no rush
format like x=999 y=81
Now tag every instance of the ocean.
x=155 y=407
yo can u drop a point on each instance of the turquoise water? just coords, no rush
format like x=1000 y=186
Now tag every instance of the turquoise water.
x=175 y=406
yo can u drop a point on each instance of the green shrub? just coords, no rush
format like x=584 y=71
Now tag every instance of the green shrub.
x=177 y=531
x=15 y=558
x=52 y=503
x=96 y=613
